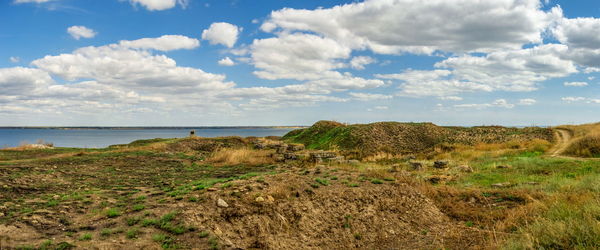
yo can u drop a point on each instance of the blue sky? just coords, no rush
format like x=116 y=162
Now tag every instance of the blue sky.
x=197 y=62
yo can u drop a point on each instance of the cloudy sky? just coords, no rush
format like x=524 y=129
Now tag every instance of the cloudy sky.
x=274 y=62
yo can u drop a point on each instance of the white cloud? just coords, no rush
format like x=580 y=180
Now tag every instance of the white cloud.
x=297 y=56
x=226 y=62
x=221 y=33
x=14 y=59
x=419 y=83
x=591 y=78
x=392 y=27
x=368 y=96
x=499 y=103
x=573 y=99
x=114 y=64
x=79 y=32
x=19 y=80
x=32 y=1
x=153 y=5
x=450 y=98
x=527 y=102
x=575 y=84
x=359 y=62
x=163 y=43
x=381 y=107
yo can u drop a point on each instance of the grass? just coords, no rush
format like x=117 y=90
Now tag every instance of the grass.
x=138 y=207
x=132 y=233
x=237 y=156
x=113 y=212
x=85 y=237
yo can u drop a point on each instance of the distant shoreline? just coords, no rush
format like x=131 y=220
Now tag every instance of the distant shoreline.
x=154 y=128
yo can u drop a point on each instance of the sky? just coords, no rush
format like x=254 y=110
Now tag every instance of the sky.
x=284 y=62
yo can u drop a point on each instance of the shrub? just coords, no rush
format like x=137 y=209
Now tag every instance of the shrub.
x=85 y=236
x=112 y=213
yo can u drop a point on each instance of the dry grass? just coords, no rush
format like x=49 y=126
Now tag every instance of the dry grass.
x=237 y=156
x=468 y=153
x=585 y=146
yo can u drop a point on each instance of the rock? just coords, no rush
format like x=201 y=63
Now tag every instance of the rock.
x=323 y=155
x=279 y=157
x=260 y=145
x=290 y=156
x=465 y=168
x=295 y=147
x=337 y=159
x=282 y=148
x=259 y=199
x=438 y=179
x=270 y=198
x=416 y=165
x=1 y=214
x=501 y=185
x=222 y=203
x=440 y=164
x=502 y=166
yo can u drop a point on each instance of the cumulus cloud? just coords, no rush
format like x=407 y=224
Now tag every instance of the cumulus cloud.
x=392 y=27
x=163 y=43
x=359 y=62
x=527 y=102
x=153 y=5
x=297 y=56
x=450 y=98
x=368 y=96
x=499 y=103
x=575 y=84
x=226 y=62
x=572 y=99
x=79 y=32
x=221 y=33
x=14 y=59
x=512 y=70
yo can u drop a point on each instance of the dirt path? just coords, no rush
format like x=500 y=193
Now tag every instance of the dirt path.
x=564 y=137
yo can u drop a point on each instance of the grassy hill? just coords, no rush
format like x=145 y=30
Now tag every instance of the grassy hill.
x=401 y=138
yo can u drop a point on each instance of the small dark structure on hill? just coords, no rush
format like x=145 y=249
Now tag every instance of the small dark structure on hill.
x=192 y=133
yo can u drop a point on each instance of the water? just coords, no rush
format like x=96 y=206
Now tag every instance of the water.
x=100 y=138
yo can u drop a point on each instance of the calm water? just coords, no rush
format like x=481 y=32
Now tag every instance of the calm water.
x=99 y=138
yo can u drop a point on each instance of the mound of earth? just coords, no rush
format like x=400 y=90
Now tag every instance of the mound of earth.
x=401 y=138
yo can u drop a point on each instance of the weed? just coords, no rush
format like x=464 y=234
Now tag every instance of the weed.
x=357 y=236
x=353 y=185
x=132 y=233
x=85 y=237
x=322 y=181
x=112 y=213
x=469 y=223
x=138 y=207
x=193 y=199
x=149 y=222
x=203 y=234
x=106 y=232
x=213 y=243
x=376 y=181
x=133 y=220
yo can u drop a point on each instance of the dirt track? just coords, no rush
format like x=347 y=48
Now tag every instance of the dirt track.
x=564 y=137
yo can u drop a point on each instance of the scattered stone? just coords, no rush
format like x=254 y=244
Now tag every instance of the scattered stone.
x=279 y=157
x=465 y=168
x=222 y=203
x=270 y=198
x=502 y=166
x=260 y=145
x=290 y=156
x=259 y=199
x=354 y=162
x=439 y=179
x=440 y=164
x=295 y=147
x=416 y=165
x=319 y=156
x=337 y=159
x=501 y=185
x=282 y=148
